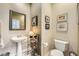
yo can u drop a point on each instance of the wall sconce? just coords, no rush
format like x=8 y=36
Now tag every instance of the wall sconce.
x=35 y=29
x=31 y=33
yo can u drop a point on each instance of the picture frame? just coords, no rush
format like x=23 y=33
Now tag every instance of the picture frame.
x=62 y=27
x=17 y=21
x=47 y=19
x=47 y=22
x=47 y=26
x=62 y=17
x=35 y=21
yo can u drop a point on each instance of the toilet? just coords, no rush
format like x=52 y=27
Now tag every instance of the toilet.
x=60 y=47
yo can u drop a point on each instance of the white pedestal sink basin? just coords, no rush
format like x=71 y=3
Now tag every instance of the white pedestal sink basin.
x=18 y=40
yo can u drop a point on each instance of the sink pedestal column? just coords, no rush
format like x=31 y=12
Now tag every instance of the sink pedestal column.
x=18 y=49
x=18 y=41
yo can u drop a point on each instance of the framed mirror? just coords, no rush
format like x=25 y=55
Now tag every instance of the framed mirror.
x=17 y=21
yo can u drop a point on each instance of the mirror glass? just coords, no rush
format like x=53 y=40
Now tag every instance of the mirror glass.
x=17 y=21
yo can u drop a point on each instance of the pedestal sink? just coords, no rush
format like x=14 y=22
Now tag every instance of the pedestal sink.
x=18 y=40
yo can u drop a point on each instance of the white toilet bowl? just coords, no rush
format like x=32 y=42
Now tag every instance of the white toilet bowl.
x=60 y=47
x=56 y=52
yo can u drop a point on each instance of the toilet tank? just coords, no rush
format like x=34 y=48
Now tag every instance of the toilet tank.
x=61 y=45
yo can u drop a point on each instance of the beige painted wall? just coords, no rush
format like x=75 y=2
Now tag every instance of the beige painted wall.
x=6 y=33
x=71 y=34
x=46 y=35
x=36 y=11
x=42 y=10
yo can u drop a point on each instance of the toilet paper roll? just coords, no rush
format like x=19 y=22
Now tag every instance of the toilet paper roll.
x=45 y=44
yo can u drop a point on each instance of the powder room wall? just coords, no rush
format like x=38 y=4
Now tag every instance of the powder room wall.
x=10 y=46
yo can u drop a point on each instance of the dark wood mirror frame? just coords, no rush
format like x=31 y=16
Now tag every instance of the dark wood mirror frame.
x=23 y=26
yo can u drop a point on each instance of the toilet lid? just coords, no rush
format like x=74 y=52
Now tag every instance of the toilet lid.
x=56 y=52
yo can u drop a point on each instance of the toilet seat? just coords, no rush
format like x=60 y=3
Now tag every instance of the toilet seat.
x=56 y=52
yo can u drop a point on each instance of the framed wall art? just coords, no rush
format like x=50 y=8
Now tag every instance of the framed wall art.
x=62 y=17
x=17 y=21
x=62 y=26
x=47 y=26
x=47 y=19
x=35 y=21
x=47 y=22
